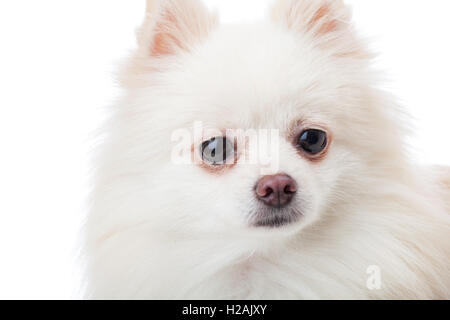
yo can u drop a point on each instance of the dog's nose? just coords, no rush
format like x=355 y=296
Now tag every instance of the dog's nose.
x=277 y=190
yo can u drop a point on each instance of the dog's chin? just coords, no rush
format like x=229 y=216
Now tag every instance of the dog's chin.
x=273 y=219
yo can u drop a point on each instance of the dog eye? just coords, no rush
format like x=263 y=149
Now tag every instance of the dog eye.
x=312 y=141
x=217 y=150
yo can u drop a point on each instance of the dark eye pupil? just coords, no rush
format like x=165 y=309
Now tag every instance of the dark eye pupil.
x=217 y=150
x=313 y=141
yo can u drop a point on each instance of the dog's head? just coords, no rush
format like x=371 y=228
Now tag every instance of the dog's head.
x=262 y=128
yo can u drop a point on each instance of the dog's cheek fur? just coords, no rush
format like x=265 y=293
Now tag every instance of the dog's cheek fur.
x=156 y=230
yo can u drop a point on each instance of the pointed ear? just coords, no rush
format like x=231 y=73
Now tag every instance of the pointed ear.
x=171 y=26
x=327 y=22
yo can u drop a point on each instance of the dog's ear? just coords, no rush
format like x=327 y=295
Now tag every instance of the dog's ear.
x=327 y=22
x=171 y=26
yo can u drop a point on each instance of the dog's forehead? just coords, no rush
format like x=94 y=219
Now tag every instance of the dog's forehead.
x=254 y=76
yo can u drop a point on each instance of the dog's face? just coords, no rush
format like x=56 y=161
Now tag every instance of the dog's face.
x=280 y=120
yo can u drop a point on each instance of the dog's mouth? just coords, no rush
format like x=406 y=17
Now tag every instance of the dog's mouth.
x=275 y=218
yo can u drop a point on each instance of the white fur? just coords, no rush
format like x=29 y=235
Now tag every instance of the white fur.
x=160 y=230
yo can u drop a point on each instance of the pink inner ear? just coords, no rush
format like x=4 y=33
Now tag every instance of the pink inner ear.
x=165 y=42
x=323 y=17
x=180 y=25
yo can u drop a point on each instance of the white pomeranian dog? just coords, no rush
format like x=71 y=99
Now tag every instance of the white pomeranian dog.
x=328 y=205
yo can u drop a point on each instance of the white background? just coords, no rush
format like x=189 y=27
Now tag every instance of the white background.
x=57 y=60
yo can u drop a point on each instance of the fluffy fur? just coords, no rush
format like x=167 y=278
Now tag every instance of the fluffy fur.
x=160 y=230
